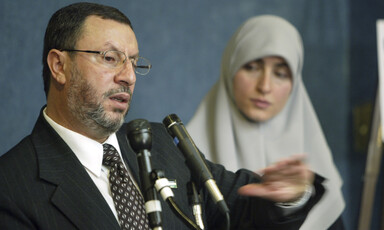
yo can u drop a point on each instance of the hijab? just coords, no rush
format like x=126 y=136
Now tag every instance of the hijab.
x=225 y=136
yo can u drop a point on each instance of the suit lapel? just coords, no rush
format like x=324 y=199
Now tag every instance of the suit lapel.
x=76 y=195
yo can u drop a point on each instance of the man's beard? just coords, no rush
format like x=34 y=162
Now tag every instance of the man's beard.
x=85 y=106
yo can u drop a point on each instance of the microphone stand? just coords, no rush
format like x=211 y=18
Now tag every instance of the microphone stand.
x=194 y=200
x=140 y=137
x=162 y=185
x=152 y=204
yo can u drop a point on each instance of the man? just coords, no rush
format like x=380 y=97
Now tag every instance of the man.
x=55 y=177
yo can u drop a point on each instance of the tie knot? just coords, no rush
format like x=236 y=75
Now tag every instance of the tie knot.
x=111 y=157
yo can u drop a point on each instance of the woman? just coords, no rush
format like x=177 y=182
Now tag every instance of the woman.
x=259 y=112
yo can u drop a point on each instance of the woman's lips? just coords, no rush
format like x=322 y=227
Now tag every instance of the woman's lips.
x=260 y=103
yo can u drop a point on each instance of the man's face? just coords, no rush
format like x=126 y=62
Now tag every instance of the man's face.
x=98 y=96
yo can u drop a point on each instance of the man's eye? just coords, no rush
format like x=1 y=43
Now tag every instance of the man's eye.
x=110 y=59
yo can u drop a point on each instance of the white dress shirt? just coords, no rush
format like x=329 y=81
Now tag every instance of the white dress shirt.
x=90 y=154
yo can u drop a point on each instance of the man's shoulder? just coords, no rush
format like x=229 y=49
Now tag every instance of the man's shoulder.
x=16 y=151
x=19 y=160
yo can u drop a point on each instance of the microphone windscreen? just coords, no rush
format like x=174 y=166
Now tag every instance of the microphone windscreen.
x=139 y=134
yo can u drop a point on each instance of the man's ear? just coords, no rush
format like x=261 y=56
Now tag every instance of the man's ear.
x=56 y=62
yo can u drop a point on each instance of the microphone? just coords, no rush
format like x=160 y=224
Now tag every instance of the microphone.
x=139 y=134
x=194 y=160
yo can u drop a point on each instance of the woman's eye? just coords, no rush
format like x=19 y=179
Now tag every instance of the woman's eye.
x=251 y=66
x=282 y=74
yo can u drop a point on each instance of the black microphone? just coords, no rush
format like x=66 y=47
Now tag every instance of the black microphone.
x=195 y=162
x=139 y=134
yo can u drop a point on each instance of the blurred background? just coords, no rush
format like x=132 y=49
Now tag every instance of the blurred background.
x=184 y=41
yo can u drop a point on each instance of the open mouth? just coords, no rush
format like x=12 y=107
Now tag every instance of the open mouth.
x=119 y=99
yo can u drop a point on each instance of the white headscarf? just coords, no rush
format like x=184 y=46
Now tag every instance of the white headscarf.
x=222 y=133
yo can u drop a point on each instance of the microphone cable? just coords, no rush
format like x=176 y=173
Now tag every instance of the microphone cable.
x=162 y=186
x=195 y=202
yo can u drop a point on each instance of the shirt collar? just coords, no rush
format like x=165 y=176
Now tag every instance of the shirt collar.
x=88 y=151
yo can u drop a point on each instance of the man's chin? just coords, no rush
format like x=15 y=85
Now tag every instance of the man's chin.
x=112 y=121
x=117 y=119
x=119 y=112
x=112 y=126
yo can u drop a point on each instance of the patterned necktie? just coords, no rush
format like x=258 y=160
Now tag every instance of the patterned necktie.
x=128 y=202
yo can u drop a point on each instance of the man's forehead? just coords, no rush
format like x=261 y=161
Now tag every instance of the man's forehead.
x=96 y=22
x=107 y=33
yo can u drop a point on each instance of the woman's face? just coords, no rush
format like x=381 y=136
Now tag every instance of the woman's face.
x=262 y=87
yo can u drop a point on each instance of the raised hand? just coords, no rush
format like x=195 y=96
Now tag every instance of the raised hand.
x=284 y=181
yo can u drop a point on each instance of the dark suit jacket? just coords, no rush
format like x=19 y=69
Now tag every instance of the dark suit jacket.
x=44 y=186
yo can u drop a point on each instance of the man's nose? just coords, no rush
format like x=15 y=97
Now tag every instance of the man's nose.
x=127 y=74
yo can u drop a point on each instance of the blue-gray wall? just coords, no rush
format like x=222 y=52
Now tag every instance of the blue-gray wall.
x=184 y=41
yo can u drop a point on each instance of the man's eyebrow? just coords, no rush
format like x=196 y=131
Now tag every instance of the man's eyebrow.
x=111 y=46
x=133 y=56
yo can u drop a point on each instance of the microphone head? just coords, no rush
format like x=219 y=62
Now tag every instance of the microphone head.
x=139 y=134
x=171 y=119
